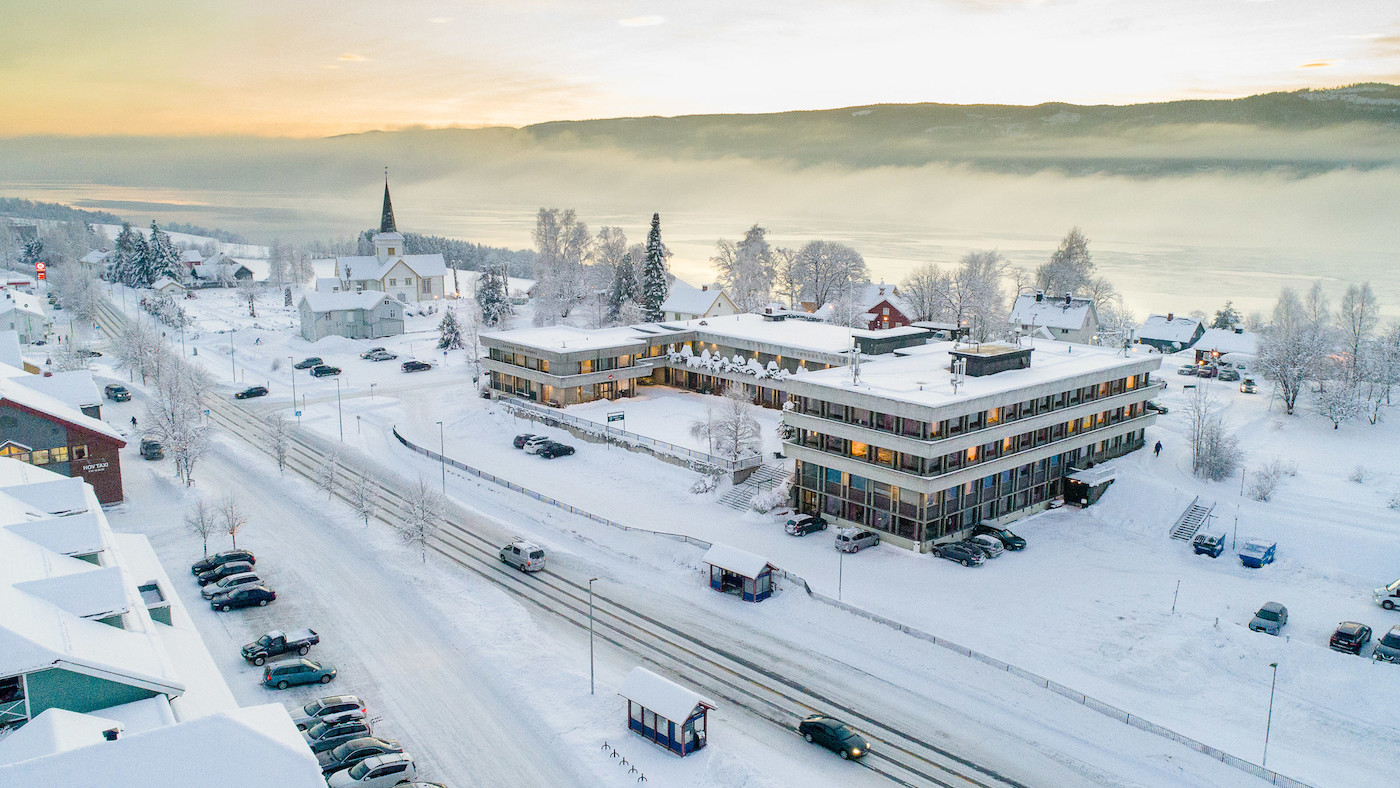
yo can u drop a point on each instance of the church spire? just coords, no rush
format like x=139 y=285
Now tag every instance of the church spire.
x=386 y=219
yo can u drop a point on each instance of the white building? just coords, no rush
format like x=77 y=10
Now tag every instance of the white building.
x=1170 y=332
x=409 y=278
x=22 y=313
x=167 y=286
x=684 y=302
x=366 y=315
x=1067 y=318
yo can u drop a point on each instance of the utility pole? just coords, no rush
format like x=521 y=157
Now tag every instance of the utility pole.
x=291 y=368
x=442 y=456
x=1270 y=723
x=339 y=412
x=591 y=580
x=233 y=365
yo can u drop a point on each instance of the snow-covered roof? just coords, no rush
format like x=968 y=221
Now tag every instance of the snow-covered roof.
x=566 y=339
x=164 y=282
x=54 y=731
x=661 y=695
x=336 y=302
x=95 y=593
x=191 y=256
x=328 y=284
x=740 y=562
x=1099 y=474
x=796 y=334
x=9 y=350
x=77 y=534
x=687 y=300
x=15 y=279
x=1051 y=312
x=1169 y=328
x=43 y=489
x=24 y=302
x=362 y=267
x=875 y=293
x=13 y=390
x=74 y=387
x=97 y=256
x=1227 y=341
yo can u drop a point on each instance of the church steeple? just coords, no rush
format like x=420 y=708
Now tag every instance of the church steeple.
x=386 y=219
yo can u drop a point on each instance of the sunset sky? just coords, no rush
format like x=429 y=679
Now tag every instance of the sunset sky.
x=317 y=68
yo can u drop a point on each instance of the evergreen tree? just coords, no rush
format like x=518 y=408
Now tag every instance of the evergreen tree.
x=131 y=252
x=162 y=258
x=287 y=296
x=33 y=252
x=450 y=332
x=624 y=287
x=1227 y=317
x=492 y=295
x=654 y=287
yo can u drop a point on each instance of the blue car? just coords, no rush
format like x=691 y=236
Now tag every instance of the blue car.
x=1257 y=552
x=286 y=673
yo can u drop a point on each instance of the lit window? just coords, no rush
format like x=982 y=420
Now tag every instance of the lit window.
x=80 y=452
x=40 y=457
x=59 y=455
x=972 y=454
x=858 y=449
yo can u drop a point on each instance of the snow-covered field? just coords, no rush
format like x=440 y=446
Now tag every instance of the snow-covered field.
x=1089 y=604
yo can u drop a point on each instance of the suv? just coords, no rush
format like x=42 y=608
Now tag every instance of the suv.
x=324 y=736
x=1350 y=637
x=1229 y=375
x=345 y=755
x=1208 y=544
x=552 y=449
x=1387 y=596
x=323 y=370
x=117 y=393
x=989 y=546
x=152 y=450
x=372 y=351
x=853 y=540
x=804 y=524
x=957 y=551
x=1247 y=386
x=308 y=363
x=251 y=391
x=376 y=771
x=520 y=440
x=1388 y=647
x=524 y=556
x=533 y=445
x=296 y=671
x=330 y=706
x=1008 y=540
x=1270 y=619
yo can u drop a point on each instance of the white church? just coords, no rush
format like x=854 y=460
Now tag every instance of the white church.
x=409 y=278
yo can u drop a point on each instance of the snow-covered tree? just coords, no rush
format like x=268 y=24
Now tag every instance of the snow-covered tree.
x=232 y=516
x=977 y=297
x=33 y=253
x=1227 y=317
x=926 y=290
x=624 y=288
x=1338 y=403
x=201 y=520
x=746 y=269
x=1214 y=452
x=1356 y=319
x=848 y=310
x=138 y=349
x=731 y=428
x=78 y=290
x=128 y=267
x=279 y=438
x=69 y=356
x=563 y=245
x=363 y=499
x=1381 y=371
x=1292 y=349
x=279 y=264
x=828 y=269
x=493 y=296
x=162 y=258
x=1071 y=267
x=174 y=415
x=450 y=331
x=655 y=288
x=328 y=474
x=422 y=519
x=787 y=277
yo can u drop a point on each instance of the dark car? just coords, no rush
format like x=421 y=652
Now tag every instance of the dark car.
x=243 y=597
x=551 y=450
x=804 y=524
x=343 y=756
x=250 y=392
x=226 y=569
x=117 y=393
x=308 y=363
x=1229 y=375
x=1208 y=544
x=328 y=735
x=1388 y=647
x=416 y=366
x=289 y=672
x=957 y=551
x=834 y=735
x=209 y=562
x=1008 y=540
x=323 y=370
x=85 y=353
x=152 y=450
x=520 y=440
x=1207 y=371
x=1153 y=406
x=1350 y=637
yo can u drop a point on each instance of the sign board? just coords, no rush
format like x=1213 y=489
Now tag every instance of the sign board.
x=616 y=415
x=206 y=411
x=298 y=414
x=40 y=269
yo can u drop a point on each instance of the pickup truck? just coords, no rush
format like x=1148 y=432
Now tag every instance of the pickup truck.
x=279 y=642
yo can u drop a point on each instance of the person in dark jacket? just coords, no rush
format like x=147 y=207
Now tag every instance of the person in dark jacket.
x=1157 y=450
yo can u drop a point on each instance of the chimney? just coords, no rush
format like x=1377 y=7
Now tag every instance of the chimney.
x=112 y=734
x=704 y=288
x=1069 y=300
x=1039 y=296
x=1170 y=316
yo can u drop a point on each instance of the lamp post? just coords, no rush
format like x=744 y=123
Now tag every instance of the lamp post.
x=591 y=580
x=232 y=364
x=339 y=412
x=840 y=572
x=292 y=369
x=371 y=392
x=1270 y=724
x=442 y=456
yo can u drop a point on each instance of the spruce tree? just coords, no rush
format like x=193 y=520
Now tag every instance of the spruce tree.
x=162 y=258
x=624 y=287
x=131 y=252
x=33 y=252
x=492 y=295
x=654 y=288
x=450 y=332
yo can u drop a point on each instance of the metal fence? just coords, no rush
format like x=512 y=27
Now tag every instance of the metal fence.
x=1106 y=709
x=555 y=418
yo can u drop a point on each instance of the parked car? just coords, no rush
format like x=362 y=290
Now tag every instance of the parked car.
x=533 y=445
x=1257 y=552
x=1388 y=648
x=853 y=540
x=525 y=556
x=308 y=363
x=554 y=449
x=990 y=546
x=297 y=671
x=324 y=370
x=331 y=706
x=343 y=756
x=278 y=642
x=1229 y=375
x=327 y=735
x=209 y=562
x=378 y=771
x=251 y=391
x=416 y=366
x=834 y=735
x=1207 y=371
x=1270 y=619
x=1186 y=370
x=1247 y=386
x=246 y=596
x=1208 y=544
x=1153 y=406
x=804 y=524
x=222 y=571
x=1350 y=637
x=372 y=351
x=381 y=355
x=1008 y=540
x=152 y=450
x=957 y=551
x=520 y=440
x=117 y=393
x=1388 y=597
x=229 y=583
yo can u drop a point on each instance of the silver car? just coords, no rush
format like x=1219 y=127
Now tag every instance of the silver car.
x=525 y=556
x=1270 y=619
x=853 y=540
x=989 y=545
x=229 y=583
x=337 y=706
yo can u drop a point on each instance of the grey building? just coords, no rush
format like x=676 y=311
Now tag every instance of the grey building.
x=368 y=315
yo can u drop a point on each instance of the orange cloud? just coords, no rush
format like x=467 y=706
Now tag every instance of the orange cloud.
x=1317 y=64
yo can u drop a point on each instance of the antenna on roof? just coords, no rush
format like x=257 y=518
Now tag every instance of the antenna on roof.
x=959 y=370
x=855 y=362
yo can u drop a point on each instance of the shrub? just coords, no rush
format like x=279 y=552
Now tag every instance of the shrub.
x=708 y=482
x=1359 y=474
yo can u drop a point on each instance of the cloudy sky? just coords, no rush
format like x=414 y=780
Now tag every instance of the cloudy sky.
x=318 y=67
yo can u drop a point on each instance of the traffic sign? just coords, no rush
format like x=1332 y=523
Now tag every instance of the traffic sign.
x=298 y=414
x=616 y=415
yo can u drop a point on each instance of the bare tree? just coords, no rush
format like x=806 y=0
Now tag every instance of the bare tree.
x=363 y=499
x=1339 y=403
x=175 y=416
x=787 y=282
x=69 y=356
x=328 y=474
x=563 y=244
x=422 y=519
x=925 y=290
x=976 y=297
x=827 y=269
x=732 y=430
x=201 y=520
x=1214 y=453
x=704 y=427
x=747 y=269
x=1292 y=349
x=279 y=438
x=1356 y=319
x=233 y=517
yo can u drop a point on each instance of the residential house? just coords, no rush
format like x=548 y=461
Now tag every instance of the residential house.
x=220 y=270
x=22 y=313
x=40 y=429
x=74 y=388
x=409 y=278
x=168 y=287
x=365 y=315
x=99 y=262
x=884 y=308
x=1067 y=318
x=1238 y=344
x=1170 y=332
x=685 y=302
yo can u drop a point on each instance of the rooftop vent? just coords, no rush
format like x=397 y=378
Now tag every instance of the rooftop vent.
x=989 y=359
x=1039 y=296
x=112 y=734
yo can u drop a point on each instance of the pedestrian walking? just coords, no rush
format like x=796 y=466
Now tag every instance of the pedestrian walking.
x=133 y=423
x=1157 y=450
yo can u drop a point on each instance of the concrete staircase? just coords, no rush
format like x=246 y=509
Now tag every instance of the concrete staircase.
x=1192 y=519
x=765 y=477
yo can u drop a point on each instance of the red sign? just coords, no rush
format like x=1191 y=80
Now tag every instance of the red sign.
x=40 y=268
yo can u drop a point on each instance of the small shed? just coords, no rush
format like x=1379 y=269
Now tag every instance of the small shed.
x=665 y=712
x=1085 y=487
x=735 y=571
x=167 y=286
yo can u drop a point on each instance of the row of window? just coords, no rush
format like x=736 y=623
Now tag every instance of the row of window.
x=948 y=463
x=45 y=456
x=923 y=430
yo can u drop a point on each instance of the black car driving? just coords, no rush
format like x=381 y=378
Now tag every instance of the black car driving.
x=251 y=391
x=323 y=370
x=209 y=562
x=834 y=735
x=244 y=596
x=308 y=363
x=117 y=393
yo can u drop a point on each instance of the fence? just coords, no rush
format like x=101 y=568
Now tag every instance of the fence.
x=556 y=419
x=1106 y=709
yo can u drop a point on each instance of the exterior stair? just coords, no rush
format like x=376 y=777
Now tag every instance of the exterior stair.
x=1192 y=519
x=765 y=477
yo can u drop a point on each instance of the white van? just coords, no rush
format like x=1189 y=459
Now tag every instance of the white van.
x=524 y=556
x=1389 y=596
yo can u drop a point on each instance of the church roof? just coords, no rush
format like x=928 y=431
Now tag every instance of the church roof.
x=386 y=218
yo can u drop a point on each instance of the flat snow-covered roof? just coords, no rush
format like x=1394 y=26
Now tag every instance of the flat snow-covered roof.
x=796 y=334
x=568 y=338
x=74 y=388
x=661 y=695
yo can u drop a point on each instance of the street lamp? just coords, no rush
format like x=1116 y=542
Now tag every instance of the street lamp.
x=591 y=580
x=232 y=364
x=840 y=572
x=339 y=412
x=1270 y=723
x=371 y=392
x=292 y=368
x=442 y=456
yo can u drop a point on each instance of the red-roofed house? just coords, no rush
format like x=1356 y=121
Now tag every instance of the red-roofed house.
x=42 y=430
